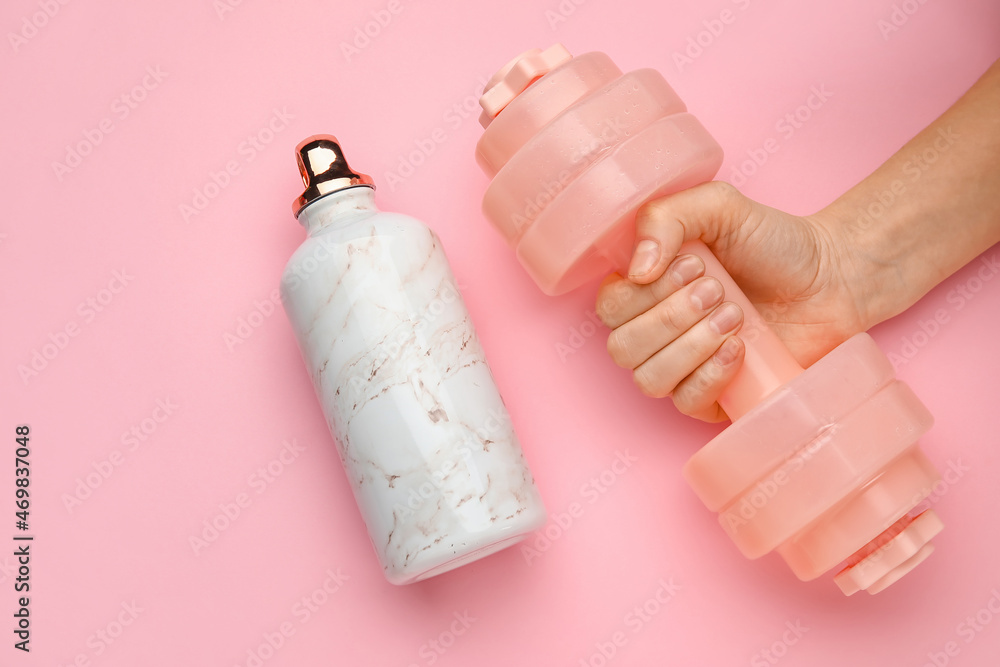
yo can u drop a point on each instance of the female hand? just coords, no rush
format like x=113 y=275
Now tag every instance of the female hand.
x=671 y=324
x=817 y=279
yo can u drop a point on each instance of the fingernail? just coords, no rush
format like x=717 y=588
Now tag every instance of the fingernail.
x=684 y=269
x=644 y=258
x=725 y=318
x=726 y=354
x=706 y=293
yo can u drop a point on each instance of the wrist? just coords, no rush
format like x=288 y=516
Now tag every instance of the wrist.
x=869 y=259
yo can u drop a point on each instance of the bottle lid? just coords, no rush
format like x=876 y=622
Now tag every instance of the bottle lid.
x=324 y=170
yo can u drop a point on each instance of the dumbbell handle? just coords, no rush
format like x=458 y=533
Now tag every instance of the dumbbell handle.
x=768 y=364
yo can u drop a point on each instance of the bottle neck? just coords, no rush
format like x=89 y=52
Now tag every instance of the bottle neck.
x=338 y=208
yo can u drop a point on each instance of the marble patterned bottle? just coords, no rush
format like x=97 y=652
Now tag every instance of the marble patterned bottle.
x=425 y=438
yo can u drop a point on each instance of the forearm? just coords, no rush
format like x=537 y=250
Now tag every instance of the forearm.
x=930 y=209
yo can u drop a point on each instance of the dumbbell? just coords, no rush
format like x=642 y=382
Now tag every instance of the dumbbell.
x=820 y=464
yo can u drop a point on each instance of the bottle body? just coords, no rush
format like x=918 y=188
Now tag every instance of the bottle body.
x=424 y=436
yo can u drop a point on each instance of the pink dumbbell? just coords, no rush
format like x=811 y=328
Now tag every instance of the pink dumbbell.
x=820 y=464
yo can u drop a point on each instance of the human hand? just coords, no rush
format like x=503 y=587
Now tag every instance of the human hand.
x=671 y=324
x=817 y=279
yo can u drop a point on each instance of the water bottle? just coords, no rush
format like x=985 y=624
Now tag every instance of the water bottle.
x=423 y=434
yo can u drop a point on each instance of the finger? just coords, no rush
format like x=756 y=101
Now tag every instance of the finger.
x=639 y=339
x=662 y=225
x=659 y=375
x=620 y=300
x=697 y=395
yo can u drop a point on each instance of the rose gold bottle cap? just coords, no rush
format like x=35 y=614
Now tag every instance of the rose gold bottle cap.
x=324 y=170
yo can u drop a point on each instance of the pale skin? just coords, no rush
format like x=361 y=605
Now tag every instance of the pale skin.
x=817 y=279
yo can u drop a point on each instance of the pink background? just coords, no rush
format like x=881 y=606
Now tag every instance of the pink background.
x=165 y=332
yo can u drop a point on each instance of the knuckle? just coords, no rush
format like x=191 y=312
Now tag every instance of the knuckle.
x=662 y=287
x=618 y=348
x=647 y=383
x=651 y=210
x=602 y=308
x=657 y=218
x=684 y=404
x=623 y=291
x=725 y=192
x=705 y=378
x=610 y=298
x=669 y=318
x=699 y=390
x=709 y=377
x=689 y=397
x=728 y=198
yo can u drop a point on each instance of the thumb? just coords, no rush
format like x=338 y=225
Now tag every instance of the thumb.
x=705 y=212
